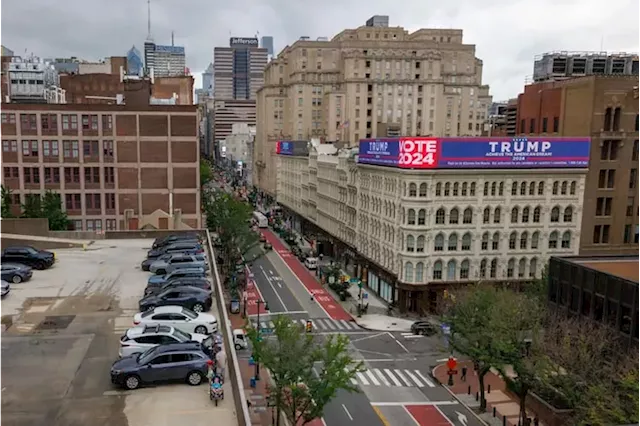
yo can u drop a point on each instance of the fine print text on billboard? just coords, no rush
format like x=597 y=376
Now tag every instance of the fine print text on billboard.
x=476 y=153
x=242 y=41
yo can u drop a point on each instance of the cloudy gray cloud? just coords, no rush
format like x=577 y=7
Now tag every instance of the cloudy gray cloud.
x=507 y=34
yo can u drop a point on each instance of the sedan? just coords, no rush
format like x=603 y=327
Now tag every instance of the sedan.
x=179 y=261
x=6 y=288
x=196 y=299
x=180 y=247
x=146 y=264
x=16 y=273
x=425 y=328
x=202 y=283
x=187 y=272
x=181 y=318
x=140 y=339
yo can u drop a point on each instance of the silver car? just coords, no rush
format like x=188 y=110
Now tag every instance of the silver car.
x=5 y=288
x=139 y=339
x=179 y=261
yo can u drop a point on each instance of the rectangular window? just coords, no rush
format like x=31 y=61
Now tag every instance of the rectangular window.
x=92 y=175
x=92 y=201
x=603 y=206
x=634 y=154
x=544 y=124
x=9 y=146
x=73 y=202
x=28 y=122
x=107 y=148
x=91 y=148
x=109 y=175
x=630 y=203
x=522 y=126
x=556 y=124
x=8 y=118
x=31 y=174
x=69 y=122
x=77 y=224
x=532 y=125
x=107 y=122
x=89 y=122
x=94 y=225
x=633 y=178
x=51 y=175
x=11 y=173
x=110 y=201
x=50 y=149
x=606 y=179
x=49 y=122
x=72 y=174
x=609 y=150
x=626 y=238
x=30 y=148
x=70 y=149
x=601 y=234
x=111 y=224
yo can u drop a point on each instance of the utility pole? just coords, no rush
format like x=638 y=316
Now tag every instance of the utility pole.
x=266 y=307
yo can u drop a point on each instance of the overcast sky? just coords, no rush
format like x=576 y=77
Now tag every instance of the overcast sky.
x=507 y=33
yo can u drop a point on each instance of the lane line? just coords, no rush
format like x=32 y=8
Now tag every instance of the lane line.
x=414 y=378
x=347 y=411
x=383 y=419
x=397 y=404
x=411 y=415
x=404 y=379
x=369 y=337
x=382 y=377
x=443 y=415
x=394 y=378
x=373 y=378
x=280 y=313
x=362 y=378
x=427 y=381
x=274 y=289
x=398 y=342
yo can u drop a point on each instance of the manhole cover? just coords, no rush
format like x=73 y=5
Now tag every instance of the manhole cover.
x=55 y=322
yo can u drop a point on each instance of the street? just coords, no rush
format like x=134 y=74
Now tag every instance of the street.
x=396 y=388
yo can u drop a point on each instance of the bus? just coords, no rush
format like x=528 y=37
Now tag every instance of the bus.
x=260 y=220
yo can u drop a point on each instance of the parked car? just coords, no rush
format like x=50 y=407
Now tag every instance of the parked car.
x=190 y=247
x=311 y=263
x=202 y=283
x=38 y=259
x=181 y=318
x=6 y=288
x=426 y=328
x=163 y=363
x=178 y=273
x=15 y=272
x=146 y=264
x=174 y=238
x=196 y=299
x=179 y=261
x=140 y=339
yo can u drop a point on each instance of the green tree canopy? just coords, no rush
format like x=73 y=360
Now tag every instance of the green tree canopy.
x=205 y=172
x=307 y=374
x=32 y=207
x=6 y=202
x=53 y=211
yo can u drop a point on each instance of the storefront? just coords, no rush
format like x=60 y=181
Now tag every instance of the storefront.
x=381 y=287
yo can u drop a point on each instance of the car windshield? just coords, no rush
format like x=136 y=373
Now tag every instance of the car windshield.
x=189 y=313
x=185 y=337
x=31 y=250
x=147 y=313
x=146 y=356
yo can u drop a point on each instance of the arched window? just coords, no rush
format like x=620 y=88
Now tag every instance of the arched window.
x=568 y=214
x=453 y=242
x=532 y=188
x=453 y=216
x=456 y=187
x=536 y=214
x=483 y=268
x=523 y=188
x=422 y=216
x=464 y=270
x=408 y=272
x=535 y=238
x=413 y=190
x=466 y=242
x=451 y=270
x=438 y=189
x=420 y=244
x=495 y=241
x=524 y=240
x=541 y=188
x=447 y=189
x=485 y=241
x=419 y=272
x=522 y=265
x=411 y=243
x=533 y=267
x=437 y=270
x=572 y=188
x=411 y=217
x=514 y=188
x=501 y=189
x=493 y=189
x=422 y=192
x=566 y=239
x=464 y=189
x=514 y=215
x=440 y=216
x=512 y=240
x=486 y=215
x=496 y=215
x=485 y=191
x=494 y=268
x=525 y=215
x=510 y=267
x=467 y=216
x=553 y=240
x=555 y=214
x=556 y=184
x=472 y=189
x=438 y=243
x=563 y=188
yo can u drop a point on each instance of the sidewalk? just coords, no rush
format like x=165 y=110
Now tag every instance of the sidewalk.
x=496 y=394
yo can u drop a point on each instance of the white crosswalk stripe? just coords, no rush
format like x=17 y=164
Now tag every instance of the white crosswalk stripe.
x=321 y=325
x=392 y=377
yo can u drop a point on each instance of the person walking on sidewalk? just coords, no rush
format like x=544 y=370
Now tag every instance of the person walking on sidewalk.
x=221 y=363
x=463 y=377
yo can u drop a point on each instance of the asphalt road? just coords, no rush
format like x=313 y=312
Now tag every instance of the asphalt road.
x=274 y=289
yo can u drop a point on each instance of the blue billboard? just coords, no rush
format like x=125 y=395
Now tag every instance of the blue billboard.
x=477 y=153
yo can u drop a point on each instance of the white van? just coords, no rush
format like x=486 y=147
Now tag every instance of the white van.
x=240 y=339
x=311 y=263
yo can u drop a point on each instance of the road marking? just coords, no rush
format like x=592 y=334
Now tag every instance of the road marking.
x=362 y=378
x=414 y=378
x=398 y=342
x=369 y=337
x=279 y=313
x=427 y=381
x=381 y=416
x=413 y=336
x=411 y=415
x=395 y=380
x=397 y=404
x=404 y=379
x=347 y=411
x=384 y=379
x=353 y=380
x=274 y=289
x=270 y=271
x=442 y=360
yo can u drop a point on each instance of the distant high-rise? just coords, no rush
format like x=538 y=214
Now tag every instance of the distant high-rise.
x=207 y=79
x=266 y=42
x=166 y=61
x=238 y=69
x=135 y=64
x=565 y=65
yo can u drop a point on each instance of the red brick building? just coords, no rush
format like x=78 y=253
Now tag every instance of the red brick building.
x=115 y=166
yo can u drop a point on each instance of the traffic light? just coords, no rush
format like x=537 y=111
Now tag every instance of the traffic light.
x=309 y=326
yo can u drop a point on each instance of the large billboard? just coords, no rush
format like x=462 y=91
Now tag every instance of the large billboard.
x=243 y=41
x=476 y=153
x=296 y=148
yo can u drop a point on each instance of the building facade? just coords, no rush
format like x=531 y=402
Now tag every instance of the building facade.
x=166 y=61
x=239 y=150
x=29 y=79
x=230 y=112
x=368 y=82
x=135 y=62
x=114 y=166
x=238 y=70
x=555 y=66
x=266 y=42
x=604 y=108
x=410 y=234
x=207 y=80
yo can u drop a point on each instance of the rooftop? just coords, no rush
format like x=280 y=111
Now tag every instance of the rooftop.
x=621 y=266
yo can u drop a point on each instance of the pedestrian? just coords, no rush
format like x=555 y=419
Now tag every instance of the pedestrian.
x=464 y=374
x=221 y=363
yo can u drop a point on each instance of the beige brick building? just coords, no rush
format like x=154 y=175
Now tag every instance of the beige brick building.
x=369 y=82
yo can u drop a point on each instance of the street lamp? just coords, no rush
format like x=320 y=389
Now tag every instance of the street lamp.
x=266 y=307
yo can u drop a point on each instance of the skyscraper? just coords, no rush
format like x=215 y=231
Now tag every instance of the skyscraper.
x=135 y=65
x=238 y=69
x=207 y=79
x=267 y=43
x=166 y=61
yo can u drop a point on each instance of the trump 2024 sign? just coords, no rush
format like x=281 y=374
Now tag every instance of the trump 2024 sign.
x=476 y=153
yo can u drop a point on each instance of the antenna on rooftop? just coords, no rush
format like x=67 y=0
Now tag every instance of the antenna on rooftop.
x=148 y=19
x=171 y=38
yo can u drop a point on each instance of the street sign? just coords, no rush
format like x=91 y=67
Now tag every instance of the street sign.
x=266 y=330
x=452 y=372
x=452 y=363
x=445 y=329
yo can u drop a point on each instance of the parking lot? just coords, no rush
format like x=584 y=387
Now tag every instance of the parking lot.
x=63 y=330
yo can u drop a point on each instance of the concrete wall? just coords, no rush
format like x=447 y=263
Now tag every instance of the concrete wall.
x=38 y=227
x=39 y=244
x=152 y=233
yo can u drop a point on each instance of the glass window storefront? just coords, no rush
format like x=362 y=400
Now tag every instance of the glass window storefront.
x=381 y=287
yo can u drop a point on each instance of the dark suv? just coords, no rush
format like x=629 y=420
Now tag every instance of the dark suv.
x=187 y=247
x=199 y=282
x=175 y=238
x=163 y=363
x=38 y=259
x=196 y=299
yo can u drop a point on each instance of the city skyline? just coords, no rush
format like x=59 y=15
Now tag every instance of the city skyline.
x=505 y=67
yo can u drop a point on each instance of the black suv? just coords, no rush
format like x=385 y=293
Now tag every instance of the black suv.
x=187 y=247
x=38 y=259
x=153 y=289
x=175 y=238
x=194 y=298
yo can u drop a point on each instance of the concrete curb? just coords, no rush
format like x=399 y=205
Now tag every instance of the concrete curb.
x=433 y=374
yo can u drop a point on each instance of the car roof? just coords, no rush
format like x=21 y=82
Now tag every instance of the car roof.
x=187 y=287
x=148 y=329
x=14 y=265
x=185 y=270
x=167 y=309
x=175 y=347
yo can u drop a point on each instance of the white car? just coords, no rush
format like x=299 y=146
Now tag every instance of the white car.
x=139 y=339
x=181 y=318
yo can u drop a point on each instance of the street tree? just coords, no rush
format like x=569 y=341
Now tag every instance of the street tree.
x=307 y=374
x=32 y=207
x=53 y=211
x=6 y=202
x=205 y=172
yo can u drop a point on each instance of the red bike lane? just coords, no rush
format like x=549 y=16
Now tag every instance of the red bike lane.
x=427 y=415
x=332 y=308
x=252 y=295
